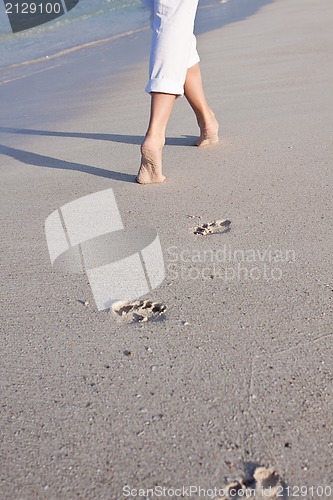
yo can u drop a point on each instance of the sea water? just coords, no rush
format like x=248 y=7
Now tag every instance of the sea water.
x=93 y=20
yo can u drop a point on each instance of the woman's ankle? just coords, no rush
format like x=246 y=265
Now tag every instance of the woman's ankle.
x=156 y=137
x=206 y=118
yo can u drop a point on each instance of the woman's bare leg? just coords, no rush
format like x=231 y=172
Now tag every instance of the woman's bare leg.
x=151 y=149
x=195 y=95
x=161 y=107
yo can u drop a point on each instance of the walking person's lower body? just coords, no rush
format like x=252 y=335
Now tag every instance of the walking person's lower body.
x=173 y=71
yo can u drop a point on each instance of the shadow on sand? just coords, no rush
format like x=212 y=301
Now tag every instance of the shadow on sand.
x=48 y=162
x=184 y=140
x=38 y=160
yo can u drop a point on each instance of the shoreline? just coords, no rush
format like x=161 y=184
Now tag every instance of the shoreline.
x=218 y=15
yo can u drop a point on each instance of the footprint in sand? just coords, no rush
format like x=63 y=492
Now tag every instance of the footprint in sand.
x=263 y=483
x=139 y=311
x=218 y=226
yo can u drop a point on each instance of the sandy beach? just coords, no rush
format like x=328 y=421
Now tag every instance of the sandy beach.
x=239 y=371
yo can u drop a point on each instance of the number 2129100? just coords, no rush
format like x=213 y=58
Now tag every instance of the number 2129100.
x=33 y=8
x=304 y=491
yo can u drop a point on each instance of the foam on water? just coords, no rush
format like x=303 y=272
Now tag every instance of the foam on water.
x=94 y=20
x=88 y=21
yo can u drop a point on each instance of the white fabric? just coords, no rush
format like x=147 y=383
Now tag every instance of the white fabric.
x=173 y=48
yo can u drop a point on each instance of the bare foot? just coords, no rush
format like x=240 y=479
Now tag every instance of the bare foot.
x=150 y=171
x=209 y=130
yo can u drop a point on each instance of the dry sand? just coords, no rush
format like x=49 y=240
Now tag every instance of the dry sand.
x=240 y=369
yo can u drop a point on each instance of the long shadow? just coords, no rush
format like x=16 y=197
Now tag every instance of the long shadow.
x=185 y=140
x=49 y=162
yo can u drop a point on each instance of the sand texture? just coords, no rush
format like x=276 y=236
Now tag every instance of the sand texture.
x=239 y=370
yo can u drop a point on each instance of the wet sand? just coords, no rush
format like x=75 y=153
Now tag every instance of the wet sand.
x=239 y=371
